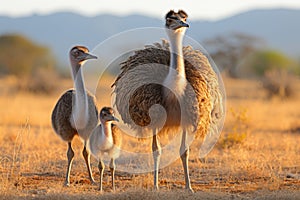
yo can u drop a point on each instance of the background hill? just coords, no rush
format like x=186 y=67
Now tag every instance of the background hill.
x=60 y=31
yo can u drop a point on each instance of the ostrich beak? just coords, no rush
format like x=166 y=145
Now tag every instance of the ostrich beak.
x=184 y=24
x=115 y=119
x=89 y=56
x=179 y=24
x=112 y=118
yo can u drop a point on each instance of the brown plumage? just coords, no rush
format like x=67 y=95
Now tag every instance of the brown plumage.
x=106 y=138
x=62 y=112
x=75 y=112
x=199 y=74
x=192 y=99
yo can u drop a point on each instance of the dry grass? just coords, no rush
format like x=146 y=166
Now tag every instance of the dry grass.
x=266 y=165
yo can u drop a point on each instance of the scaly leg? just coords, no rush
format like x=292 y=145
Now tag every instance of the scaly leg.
x=156 y=151
x=70 y=155
x=86 y=156
x=112 y=167
x=101 y=167
x=184 y=155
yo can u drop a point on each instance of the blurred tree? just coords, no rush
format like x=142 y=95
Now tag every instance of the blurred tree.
x=20 y=56
x=228 y=51
x=277 y=70
x=267 y=60
x=26 y=60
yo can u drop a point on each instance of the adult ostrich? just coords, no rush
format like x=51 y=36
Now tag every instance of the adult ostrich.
x=76 y=113
x=187 y=89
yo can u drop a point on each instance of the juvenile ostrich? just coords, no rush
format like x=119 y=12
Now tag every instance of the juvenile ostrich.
x=188 y=91
x=76 y=113
x=106 y=138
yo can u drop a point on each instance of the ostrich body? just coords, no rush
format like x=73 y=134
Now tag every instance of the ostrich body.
x=106 y=138
x=76 y=113
x=189 y=79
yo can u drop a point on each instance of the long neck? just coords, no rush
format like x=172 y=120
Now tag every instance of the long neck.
x=176 y=79
x=80 y=106
x=106 y=128
x=177 y=60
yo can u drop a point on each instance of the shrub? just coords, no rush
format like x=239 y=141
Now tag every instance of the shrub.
x=20 y=56
x=279 y=82
x=238 y=132
x=276 y=70
x=43 y=81
x=31 y=63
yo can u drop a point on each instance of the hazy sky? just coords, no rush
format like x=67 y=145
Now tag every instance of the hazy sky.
x=197 y=9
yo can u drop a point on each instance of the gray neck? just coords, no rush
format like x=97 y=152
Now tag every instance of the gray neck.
x=176 y=79
x=80 y=106
x=176 y=60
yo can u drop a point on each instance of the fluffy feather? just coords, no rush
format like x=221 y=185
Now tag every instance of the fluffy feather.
x=203 y=106
x=62 y=112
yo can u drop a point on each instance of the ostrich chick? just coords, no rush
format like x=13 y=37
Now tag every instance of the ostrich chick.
x=106 y=138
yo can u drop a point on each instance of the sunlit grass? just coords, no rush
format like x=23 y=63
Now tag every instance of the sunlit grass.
x=33 y=158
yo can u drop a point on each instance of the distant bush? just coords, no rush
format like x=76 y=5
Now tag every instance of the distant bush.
x=276 y=70
x=280 y=83
x=264 y=61
x=31 y=63
x=42 y=81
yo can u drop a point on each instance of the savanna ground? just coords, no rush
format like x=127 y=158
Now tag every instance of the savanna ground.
x=257 y=156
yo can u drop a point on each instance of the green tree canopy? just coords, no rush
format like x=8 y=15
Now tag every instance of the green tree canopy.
x=264 y=61
x=21 y=57
x=276 y=70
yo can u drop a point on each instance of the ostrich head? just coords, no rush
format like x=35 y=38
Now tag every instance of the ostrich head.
x=176 y=22
x=107 y=115
x=78 y=55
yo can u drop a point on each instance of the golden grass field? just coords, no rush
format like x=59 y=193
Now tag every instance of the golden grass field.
x=257 y=156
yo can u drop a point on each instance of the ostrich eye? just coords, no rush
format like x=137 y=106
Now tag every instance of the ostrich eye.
x=105 y=114
x=76 y=53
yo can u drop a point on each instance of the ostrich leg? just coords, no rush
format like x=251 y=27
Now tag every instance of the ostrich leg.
x=156 y=151
x=112 y=167
x=184 y=155
x=101 y=167
x=86 y=156
x=70 y=155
